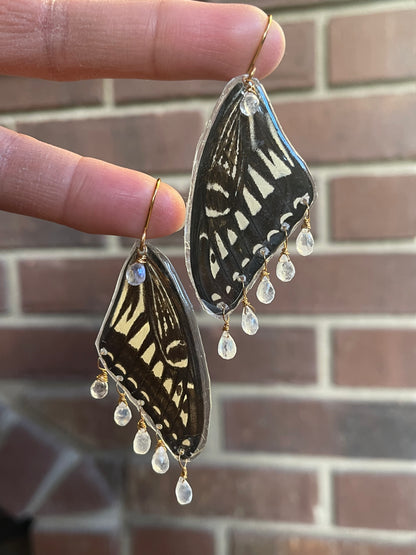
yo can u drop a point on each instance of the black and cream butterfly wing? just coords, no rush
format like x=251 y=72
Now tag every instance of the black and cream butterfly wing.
x=150 y=339
x=247 y=181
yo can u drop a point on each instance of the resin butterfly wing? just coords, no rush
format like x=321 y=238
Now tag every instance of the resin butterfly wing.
x=150 y=340
x=247 y=181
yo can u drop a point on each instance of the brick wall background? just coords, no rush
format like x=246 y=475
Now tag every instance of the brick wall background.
x=312 y=445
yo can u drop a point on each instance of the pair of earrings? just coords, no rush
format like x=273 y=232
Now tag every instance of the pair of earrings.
x=249 y=190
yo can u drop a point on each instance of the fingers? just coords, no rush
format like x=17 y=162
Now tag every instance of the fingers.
x=50 y=183
x=153 y=39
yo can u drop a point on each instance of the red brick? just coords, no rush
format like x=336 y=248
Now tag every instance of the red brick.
x=375 y=358
x=38 y=353
x=351 y=283
x=83 y=490
x=66 y=285
x=94 y=542
x=171 y=541
x=254 y=493
x=323 y=284
x=351 y=129
x=26 y=457
x=174 y=240
x=346 y=429
x=382 y=501
x=297 y=70
x=266 y=543
x=132 y=90
x=274 y=355
x=372 y=47
x=373 y=207
x=76 y=285
x=3 y=293
x=21 y=231
x=17 y=93
x=150 y=142
x=87 y=421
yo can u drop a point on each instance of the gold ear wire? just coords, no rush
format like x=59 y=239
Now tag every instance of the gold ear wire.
x=149 y=213
x=252 y=67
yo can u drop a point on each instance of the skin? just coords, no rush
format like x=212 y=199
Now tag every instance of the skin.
x=68 y=40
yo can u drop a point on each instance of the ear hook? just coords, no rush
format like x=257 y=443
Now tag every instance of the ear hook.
x=149 y=213
x=252 y=67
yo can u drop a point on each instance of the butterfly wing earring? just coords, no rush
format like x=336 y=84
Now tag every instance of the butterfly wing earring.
x=150 y=345
x=249 y=190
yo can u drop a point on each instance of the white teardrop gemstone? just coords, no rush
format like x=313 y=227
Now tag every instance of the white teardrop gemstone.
x=183 y=491
x=249 y=321
x=227 y=348
x=265 y=291
x=285 y=270
x=305 y=242
x=160 y=460
x=122 y=414
x=249 y=104
x=99 y=389
x=142 y=442
x=136 y=273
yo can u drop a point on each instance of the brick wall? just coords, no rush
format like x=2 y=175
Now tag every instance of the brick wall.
x=313 y=439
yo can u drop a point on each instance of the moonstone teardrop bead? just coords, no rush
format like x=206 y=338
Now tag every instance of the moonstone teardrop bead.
x=305 y=242
x=249 y=321
x=142 y=442
x=227 y=348
x=160 y=460
x=183 y=491
x=99 y=389
x=136 y=273
x=122 y=414
x=249 y=104
x=285 y=270
x=265 y=291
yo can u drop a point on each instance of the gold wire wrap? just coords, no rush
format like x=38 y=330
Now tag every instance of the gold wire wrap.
x=284 y=248
x=226 y=318
x=265 y=272
x=184 y=472
x=306 y=219
x=122 y=398
x=245 y=300
x=252 y=67
x=141 y=424
x=103 y=377
x=160 y=443
x=149 y=213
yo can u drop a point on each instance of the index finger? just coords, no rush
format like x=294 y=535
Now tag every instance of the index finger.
x=152 y=39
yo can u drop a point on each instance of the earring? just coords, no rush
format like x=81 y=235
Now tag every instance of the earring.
x=249 y=190
x=150 y=345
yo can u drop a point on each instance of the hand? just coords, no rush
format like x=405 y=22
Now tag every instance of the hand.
x=81 y=39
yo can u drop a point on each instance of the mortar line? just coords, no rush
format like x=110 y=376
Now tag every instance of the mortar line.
x=221 y=539
x=392 y=246
x=108 y=94
x=325 y=495
x=321 y=53
x=205 y=106
x=277 y=527
x=278 y=321
x=313 y=393
x=13 y=293
x=347 y=8
x=65 y=463
x=323 y=355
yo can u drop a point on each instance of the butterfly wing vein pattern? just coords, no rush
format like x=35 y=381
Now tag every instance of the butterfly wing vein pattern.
x=247 y=181
x=150 y=338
